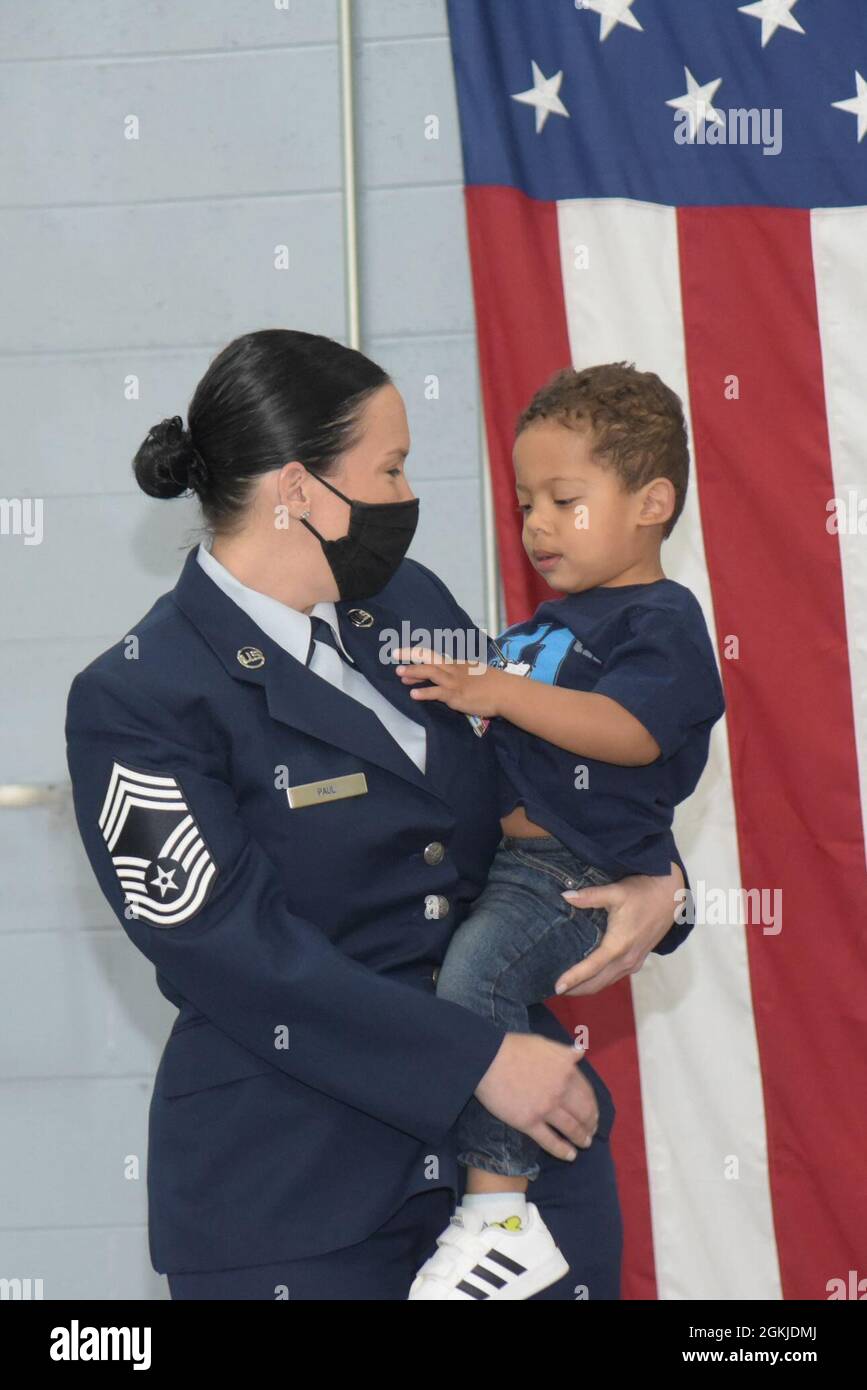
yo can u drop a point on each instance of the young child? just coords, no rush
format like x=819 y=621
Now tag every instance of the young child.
x=596 y=749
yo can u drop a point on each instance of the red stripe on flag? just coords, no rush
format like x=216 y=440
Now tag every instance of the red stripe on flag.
x=523 y=339
x=764 y=473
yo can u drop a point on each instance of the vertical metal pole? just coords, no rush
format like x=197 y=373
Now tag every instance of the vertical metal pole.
x=353 y=309
x=350 y=204
x=489 y=533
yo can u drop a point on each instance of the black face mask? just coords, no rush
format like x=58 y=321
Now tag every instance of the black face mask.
x=379 y=536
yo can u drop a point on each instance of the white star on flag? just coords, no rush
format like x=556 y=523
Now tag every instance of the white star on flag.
x=543 y=95
x=612 y=13
x=697 y=102
x=774 y=14
x=857 y=105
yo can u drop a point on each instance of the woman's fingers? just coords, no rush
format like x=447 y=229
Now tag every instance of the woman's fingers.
x=580 y=1132
x=535 y=1085
x=619 y=953
x=587 y=978
x=555 y=1133
x=610 y=962
x=590 y=969
x=552 y=1142
x=607 y=895
x=572 y=1121
x=639 y=911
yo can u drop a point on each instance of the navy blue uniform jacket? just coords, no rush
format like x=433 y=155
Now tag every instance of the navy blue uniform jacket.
x=312 y=1077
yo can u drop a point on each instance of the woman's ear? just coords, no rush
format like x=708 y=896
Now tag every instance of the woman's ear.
x=292 y=491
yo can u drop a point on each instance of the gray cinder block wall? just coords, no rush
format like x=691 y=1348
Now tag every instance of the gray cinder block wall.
x=154 y=156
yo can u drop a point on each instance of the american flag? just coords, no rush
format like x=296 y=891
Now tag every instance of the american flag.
x=683 y=184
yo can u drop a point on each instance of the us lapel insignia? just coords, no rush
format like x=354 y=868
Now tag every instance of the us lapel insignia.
x=359 y=617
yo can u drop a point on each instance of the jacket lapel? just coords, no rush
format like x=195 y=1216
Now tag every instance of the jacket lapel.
x=297 y=696
x=364 y=645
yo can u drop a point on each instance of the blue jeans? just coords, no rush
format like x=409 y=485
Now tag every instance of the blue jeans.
x=508 y=954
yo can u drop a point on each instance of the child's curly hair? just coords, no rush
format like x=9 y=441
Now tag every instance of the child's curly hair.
x=636 y=421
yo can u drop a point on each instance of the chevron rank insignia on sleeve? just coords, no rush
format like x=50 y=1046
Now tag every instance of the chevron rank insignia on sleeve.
x=161 y=859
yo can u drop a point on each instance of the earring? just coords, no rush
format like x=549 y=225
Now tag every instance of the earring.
x=307 y=513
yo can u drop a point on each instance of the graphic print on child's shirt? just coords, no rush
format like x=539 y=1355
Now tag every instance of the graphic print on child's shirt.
x=538 y=653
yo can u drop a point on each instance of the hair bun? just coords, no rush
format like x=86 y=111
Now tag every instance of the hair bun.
x=167 y=463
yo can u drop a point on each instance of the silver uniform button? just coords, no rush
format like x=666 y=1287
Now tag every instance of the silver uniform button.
x=435 y=906
x=434 y=974
x=434 y=853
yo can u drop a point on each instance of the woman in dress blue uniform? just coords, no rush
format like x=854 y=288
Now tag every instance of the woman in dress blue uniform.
x=292 y=840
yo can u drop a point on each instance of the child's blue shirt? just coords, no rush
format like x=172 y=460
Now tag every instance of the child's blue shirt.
x=647 y=647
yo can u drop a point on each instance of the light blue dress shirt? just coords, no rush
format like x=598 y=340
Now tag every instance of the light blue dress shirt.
x=290 y=629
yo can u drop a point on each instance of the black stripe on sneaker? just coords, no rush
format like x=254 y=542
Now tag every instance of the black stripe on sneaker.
x=472 y=1290
x=488 y=1274
x=511 y=1265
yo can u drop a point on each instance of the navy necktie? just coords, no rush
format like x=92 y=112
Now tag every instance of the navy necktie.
x=321 y=631
x=371 y=689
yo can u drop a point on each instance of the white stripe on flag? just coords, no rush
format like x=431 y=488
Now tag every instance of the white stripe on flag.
x=698 y=1054
x=839 y=237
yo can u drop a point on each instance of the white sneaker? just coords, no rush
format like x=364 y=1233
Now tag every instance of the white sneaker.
x=477 y=1262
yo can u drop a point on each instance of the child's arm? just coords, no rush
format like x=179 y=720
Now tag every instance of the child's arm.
x=656 y=687
x=577 y=720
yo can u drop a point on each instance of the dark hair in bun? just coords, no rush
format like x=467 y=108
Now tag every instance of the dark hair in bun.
x=266 y=399
x=167 y=464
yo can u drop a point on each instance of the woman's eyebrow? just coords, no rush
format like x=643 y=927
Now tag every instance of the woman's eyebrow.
x=396 y=453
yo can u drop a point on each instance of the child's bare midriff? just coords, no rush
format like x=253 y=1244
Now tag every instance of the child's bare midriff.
x=518 y=823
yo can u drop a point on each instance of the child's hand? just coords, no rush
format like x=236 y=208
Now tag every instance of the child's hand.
x=470 y=687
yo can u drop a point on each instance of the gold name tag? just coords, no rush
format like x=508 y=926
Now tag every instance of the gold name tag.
x=313 y=793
